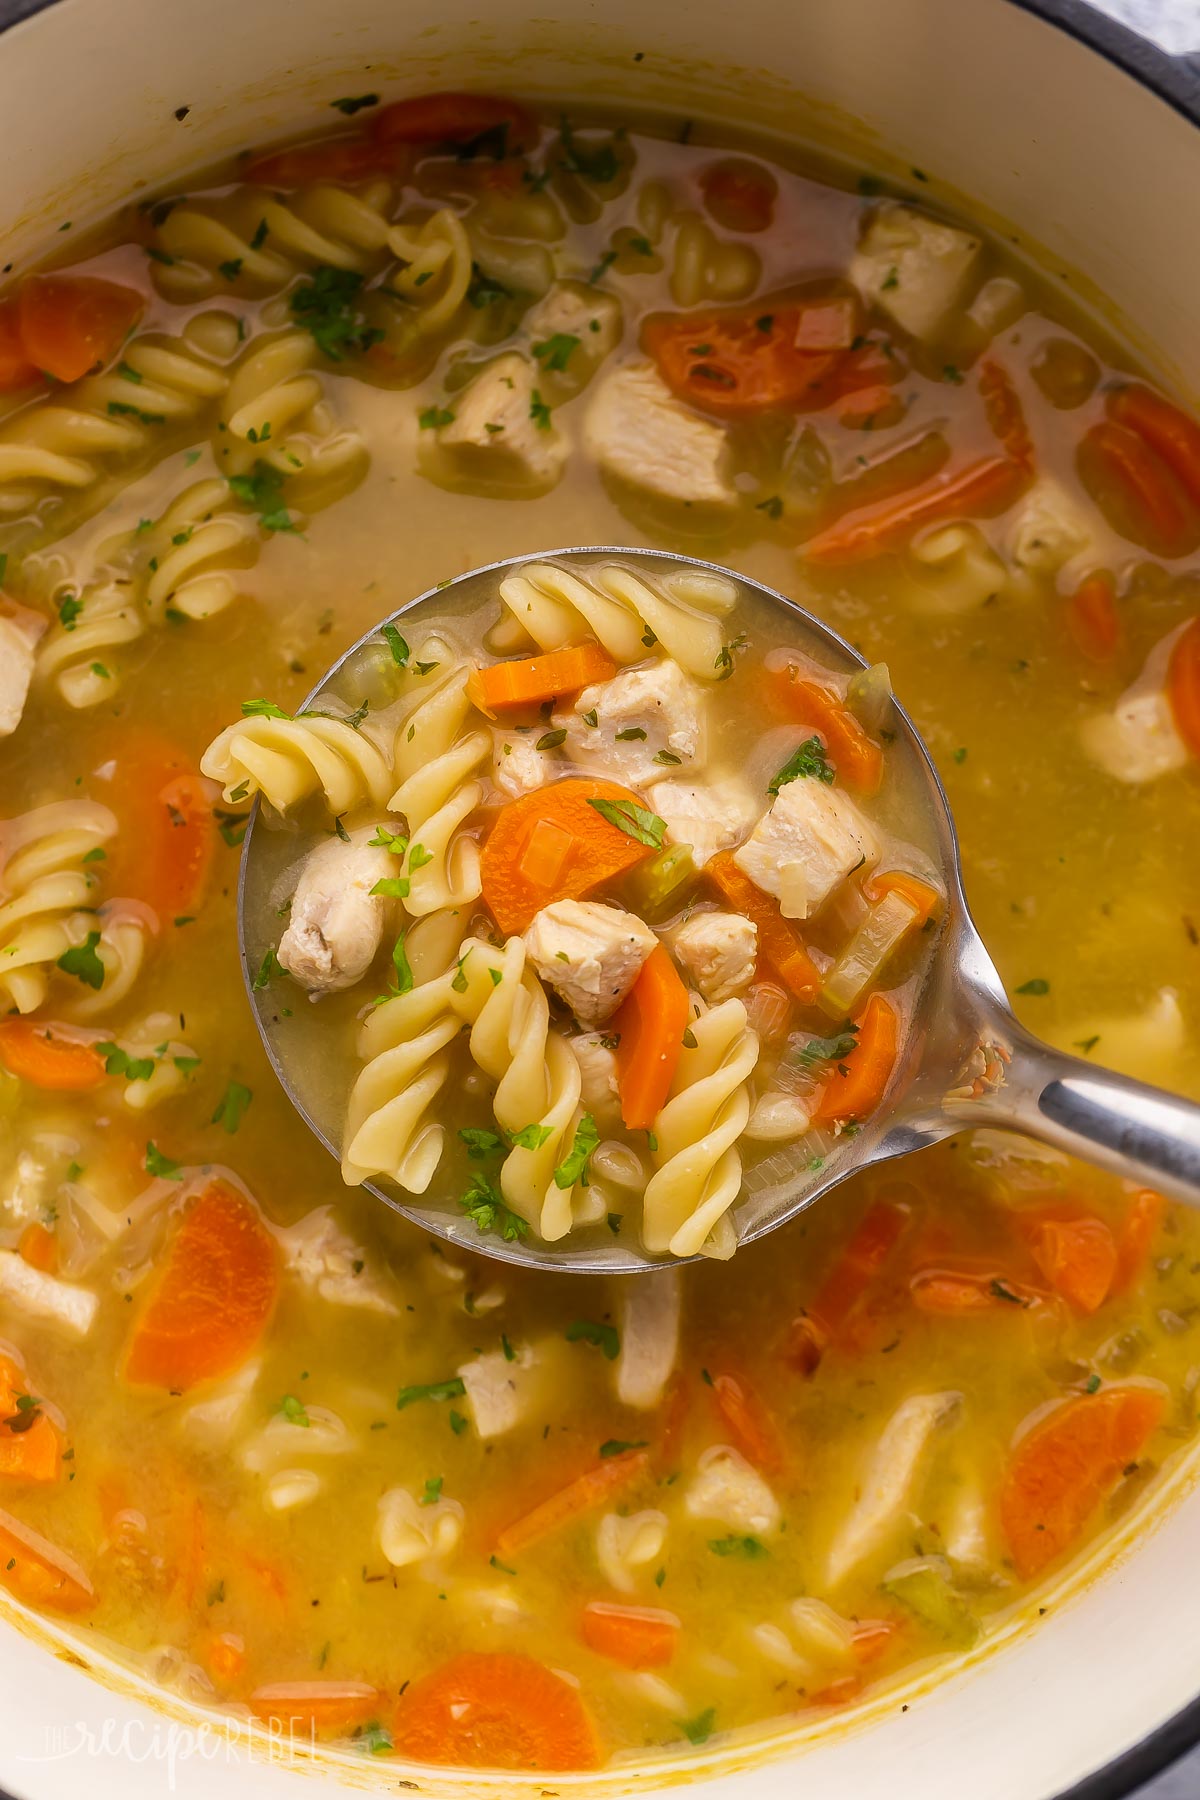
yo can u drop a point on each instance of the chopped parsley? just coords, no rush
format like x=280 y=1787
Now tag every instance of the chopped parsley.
x=618 y=1446
x=232 y=1106
x=119 y=1062
x=809 y=759
x=594 y=162
x=327 y=307
x=484 y=1204
x=262 y=492
x=433 y=1490
x=69 y=609
x=554 y=353
x=828 y=1049
x=268 y=968
x=453 y=1389
x=263 y=709
x=294 y=1411
x=604 y=1337
x=573 y=1168
x=353 y=103
x=644 y=827
x=1036 y=986
x=159 y=1165
x=699 y=1729
x=397 y=645
x=733 y=1545
x=539 y=412
x=483 y=290
x=432 y=418
x=82 y=962
x=723 y=660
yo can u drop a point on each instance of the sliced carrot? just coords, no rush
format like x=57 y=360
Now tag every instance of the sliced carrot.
x=780 y=950
x=73 y=323
x=983 y=489
x=454 y=119
x=214 y=1295
x=1005 y=414
x=852 y=1274
x=959 y=1293
x=1066 y=1465
x=225 y=1658
x=1183 y=685
x=36 y=1571
x=344 y=159
x=49 y=1056
x=873 y=1638
x=1136 y=1238
x=164 y=850
x=16 y=370
x=754 y=1431
x=649 y=1025
x=1168 y=431
x=739 y=194
x=757 y=358
x=1092 y=617
x=922 y=896
x=871 y=408
x=579 y=1497
x=545 y=856
x=857 y=757
x=497 y=1710
x=599 y=853
x=637 y=1637
x=30 y=1444
x=1136 y=488
x=332 y=1708
x=535 y=679
x=39 y=1247
x=868 y=1067
x=1077 y=1254
x=840 y=1692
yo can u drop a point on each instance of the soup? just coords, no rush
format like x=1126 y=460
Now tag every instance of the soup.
x=280 y=1448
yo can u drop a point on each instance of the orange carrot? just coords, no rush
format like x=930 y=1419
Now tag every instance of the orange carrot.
x=49 y=1056
x=164 y=850
x=744 y=360
x=39 y=1247
x=1077 y=1254
x=922 y=896
x=535 y=679
x=583 y=1495
x=868 y=1067
x=1118 y=465
x=858 y=758
x=599 y=851
x=1006 y=416
x=1135 y=1240
x=1170 y=433
x=332 y=1708
x=739 y=194
x=16 y=370
x=1092 y=617
x=213 y=1297
x=497 y=1710
x=956 y=1293
x=344 y=159
x=754 y=1431
x=225 y=1658
x=982 y=489
x=780 y=950
x=857 y=1265
x=454 y=119
x=1183 y=685
x=72 y=323
x=871 y=408
x=1066 y=1465
x=649 y=1023
x=30 y=1445
x=872 y=1638
x=36 y=1571
x=637 y=1637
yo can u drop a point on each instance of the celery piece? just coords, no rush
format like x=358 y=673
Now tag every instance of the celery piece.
x=657 y=885
x=926 y=1591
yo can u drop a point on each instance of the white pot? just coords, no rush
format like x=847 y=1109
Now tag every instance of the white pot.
x=1051 y=119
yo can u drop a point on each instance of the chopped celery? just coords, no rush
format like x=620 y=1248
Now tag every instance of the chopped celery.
x=657 y=886
x=925 y=1588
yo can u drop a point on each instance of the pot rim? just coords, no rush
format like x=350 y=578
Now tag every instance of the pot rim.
x=1176 y=81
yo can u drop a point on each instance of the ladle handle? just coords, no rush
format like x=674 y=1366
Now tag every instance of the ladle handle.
x=1135 y=1130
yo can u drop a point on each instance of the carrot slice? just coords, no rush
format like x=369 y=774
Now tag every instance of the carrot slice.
x=958 y=1293
x=39 y=1247
x=739 y=194
x=780 y=950
x=757 y=358
x=332 y=1708
x=599 y=852
x=16 y=370
x=1092 y=617
x=583 y=1495
x=853 y=1272
x=213 y=1297
x=49 y=1056
x=36 y=1571
x=649 y=1024
x=30 y=1444
x=165 y=848
x=534 y=679
x=1071 y=1461
x=754 y=1431
x=1168 y=431
x=73 y=323
x=637 y=1637
x=1005 y=414
x=454 y=119
x=868 y=1066
x=1135 y=1240
x=858 y=757
x=1127 y=479
x=922 y=896
x=985 y=488
x=497 y=1710
x=225 y=1658
x=1183 y=685
x=346 y=159
x=1077 y=1255
x=871 y=408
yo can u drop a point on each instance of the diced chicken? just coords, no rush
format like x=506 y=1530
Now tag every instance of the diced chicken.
x=573 y=310
x=915 y=268
x=885 y=1492
x=502 y=432
x=326 y=1259
x=727 y=1489
x=637 y=724
x=1047 y=529
x=409 y=1531
x=590 y=954
x=499 y=1389
x=649 y=1309
x=44 y=1296
x=640 y=434
x=518 y=767
x=20 y=630
x=336 y=923
x=598 y=1075
x=626 y=1544
x=1139 y=739
x=708 y=818
x=215 y=1418
x=288 y=1437
x=718 y=950
x=812 y=838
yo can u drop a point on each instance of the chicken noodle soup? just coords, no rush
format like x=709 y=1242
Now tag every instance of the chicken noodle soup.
x=256 y=1431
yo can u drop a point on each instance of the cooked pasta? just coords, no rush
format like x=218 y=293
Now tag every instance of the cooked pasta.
x=274 y=416
x=78 y=653
x=286 y=760
x=627 y=613
x=255 y=242
x=437 y=756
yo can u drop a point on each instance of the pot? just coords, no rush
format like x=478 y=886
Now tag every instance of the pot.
x=1043 y=114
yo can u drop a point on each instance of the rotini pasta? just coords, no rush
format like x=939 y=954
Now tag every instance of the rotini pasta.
x=286 y=760
x=682 y=611
x=76 y=655
x=274 y=415
x=436 y=760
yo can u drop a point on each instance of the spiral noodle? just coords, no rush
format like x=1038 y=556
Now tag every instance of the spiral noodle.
x=122 y=417
x=286 y=760
x=435 y=763
x=76 y=657
x=698 y=1171
x=274 y=414
x=404 y=1046
x=681 y=609
x=49 y=864
x=536 y=1074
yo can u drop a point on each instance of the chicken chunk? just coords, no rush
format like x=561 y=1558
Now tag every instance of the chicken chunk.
x=811 y=839
x=726 y=1489
x=598 y=1075
x=708 y=818
x=884 y=1492
x=637 y=724
x=499 y=1389
x=572 y=329
x=640 y=434
x=20 y=630
x=913 y=267
x=1139 y=739
x=718 y=950
x=590 y=954
x=649 y=1313
x=1047 y=529
x=501 y=433
x=43 y=1296
x=326 y=1259
x=336 y=923
x=518 y=767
